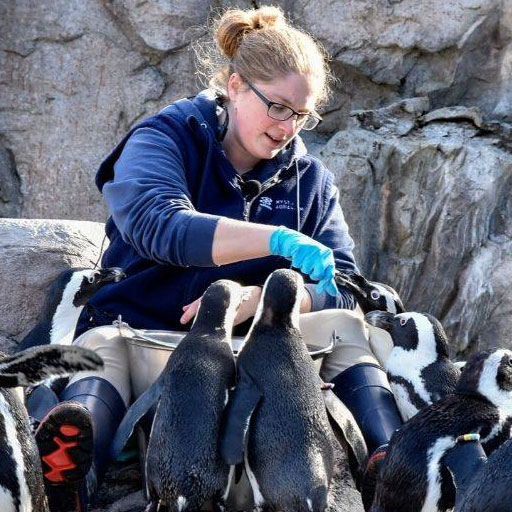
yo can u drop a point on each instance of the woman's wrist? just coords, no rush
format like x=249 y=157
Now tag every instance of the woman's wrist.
x=305 y=305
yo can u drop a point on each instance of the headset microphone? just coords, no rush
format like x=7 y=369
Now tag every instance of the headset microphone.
x=250 y=188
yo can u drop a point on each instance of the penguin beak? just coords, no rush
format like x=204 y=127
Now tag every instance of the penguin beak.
x=346 y=280
x=381 y=319
x=112 y=274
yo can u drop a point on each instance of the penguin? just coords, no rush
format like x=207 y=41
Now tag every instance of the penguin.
x=64 y=302
x=276 y=423
x=183 y=467
x=370 y=295
x=481 y=403
x=21 y=478
x=418 y=367
x=483 y=484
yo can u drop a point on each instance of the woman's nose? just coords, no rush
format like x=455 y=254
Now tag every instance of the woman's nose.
x=289 y=126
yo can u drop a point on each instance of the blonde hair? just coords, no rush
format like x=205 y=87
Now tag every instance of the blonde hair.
x=260 y=45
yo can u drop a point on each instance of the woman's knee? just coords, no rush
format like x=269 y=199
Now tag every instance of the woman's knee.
x=99 y=337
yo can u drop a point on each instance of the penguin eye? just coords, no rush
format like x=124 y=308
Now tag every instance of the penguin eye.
x=375 y=295
x=403 y=321
x=91 y=278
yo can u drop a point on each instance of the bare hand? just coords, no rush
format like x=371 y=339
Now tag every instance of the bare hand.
x=251 y=297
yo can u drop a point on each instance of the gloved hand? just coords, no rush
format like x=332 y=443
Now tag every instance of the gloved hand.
x=308 y=255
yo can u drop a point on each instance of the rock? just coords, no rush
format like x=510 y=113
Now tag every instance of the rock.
x=400 y=118
x=472 y=114
x=457 y=53
x=10 y=192
x=163 y=26
x=73 y=86
x=32 y=253
x=430 y=214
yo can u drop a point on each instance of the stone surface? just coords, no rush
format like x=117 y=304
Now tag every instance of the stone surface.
x=430 y=214
x=72 y=84
x=10 y=193
x=163 y=25
x=457 y=53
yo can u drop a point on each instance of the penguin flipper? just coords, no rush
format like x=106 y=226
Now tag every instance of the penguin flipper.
x=346 y=430
x=134 y=414
x=237 y=417
x=33 y=365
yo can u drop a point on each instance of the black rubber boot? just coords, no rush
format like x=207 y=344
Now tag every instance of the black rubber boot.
x=74 y=441
x=365 y=390
x=39 y=401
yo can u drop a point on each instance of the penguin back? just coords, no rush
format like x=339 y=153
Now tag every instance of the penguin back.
x=183 y=464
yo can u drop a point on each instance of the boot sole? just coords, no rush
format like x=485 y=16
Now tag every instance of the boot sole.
x=65 y=442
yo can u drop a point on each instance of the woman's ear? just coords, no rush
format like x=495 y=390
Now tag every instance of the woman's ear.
x=235 y=85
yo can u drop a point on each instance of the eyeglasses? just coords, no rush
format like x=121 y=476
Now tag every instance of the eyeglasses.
x=280 y=112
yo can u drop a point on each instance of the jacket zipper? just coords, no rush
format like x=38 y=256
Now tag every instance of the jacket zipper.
x=264 y=187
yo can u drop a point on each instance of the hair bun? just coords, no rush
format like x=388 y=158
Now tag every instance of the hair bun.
x=235 y=24
x=267 y=17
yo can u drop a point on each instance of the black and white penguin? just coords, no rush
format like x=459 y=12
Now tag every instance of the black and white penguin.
x=370 y=295
x=21 y=479
x=184 y=468
x=276 y=420
x=419 y=368
x=481 y=403
x=64 y=302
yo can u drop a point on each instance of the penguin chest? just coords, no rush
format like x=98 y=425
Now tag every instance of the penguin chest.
x=434 y=499
x=63 y=324
x=406 y=399
x=15 y=447
x=287 y=463
x=407 y=383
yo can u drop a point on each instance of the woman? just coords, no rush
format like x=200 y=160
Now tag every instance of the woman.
x=218 y=186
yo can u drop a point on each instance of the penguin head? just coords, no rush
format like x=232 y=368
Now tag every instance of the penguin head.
x=412 y=331
x=83 y=283
x=219 y=306
x=370 y=295
x=280 y=299
x=489 y=373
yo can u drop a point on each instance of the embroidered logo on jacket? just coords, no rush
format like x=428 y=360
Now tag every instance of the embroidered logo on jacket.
x=266 y=202
x=284 y=204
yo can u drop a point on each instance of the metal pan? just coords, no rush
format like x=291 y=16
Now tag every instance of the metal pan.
x=149 y=351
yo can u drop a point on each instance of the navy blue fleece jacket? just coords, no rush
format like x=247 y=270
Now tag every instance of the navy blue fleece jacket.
x=168 y=182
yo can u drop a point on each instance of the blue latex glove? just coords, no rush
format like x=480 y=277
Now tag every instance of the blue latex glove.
x=309 y=256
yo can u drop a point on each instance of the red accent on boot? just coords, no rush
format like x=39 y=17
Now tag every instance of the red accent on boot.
x=69 y=430
x=59 y=460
